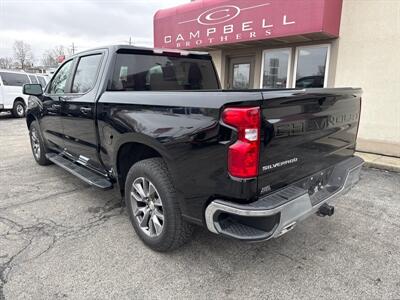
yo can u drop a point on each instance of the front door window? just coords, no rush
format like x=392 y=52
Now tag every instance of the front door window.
x=86 y=73
x=59 y=81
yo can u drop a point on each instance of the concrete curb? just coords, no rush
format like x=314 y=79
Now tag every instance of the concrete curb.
x=382 y=162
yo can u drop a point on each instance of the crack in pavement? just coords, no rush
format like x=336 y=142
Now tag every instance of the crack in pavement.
x=62 y=193
x=50 y=229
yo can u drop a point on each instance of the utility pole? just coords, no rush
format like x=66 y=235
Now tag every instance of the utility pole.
x=130 y=41
x=73 y=48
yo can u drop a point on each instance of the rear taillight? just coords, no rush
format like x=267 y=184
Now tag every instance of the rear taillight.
x=244 y=153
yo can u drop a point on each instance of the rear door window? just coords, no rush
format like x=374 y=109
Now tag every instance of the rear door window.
x=142 y=72
x=33 y=79
x=86 y=73
x=14 y=79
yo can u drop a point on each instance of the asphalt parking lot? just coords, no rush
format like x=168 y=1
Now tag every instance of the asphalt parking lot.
x=60 y=238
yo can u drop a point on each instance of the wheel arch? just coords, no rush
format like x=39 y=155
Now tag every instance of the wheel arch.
x=29 y=119
x=19 y=99
x=129 y=153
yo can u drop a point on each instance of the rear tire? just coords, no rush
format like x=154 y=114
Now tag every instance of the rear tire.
x=153 y=206
x=18 y=110
x=37 y=144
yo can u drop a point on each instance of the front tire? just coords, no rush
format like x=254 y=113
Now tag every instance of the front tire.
x=37 y=144
x=153 y=206
x=18 y=110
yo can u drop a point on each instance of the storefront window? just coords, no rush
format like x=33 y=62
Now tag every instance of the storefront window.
x=311 y=67
x=276 y=68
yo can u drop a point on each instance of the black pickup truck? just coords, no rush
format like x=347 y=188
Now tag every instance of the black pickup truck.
x=155 y=125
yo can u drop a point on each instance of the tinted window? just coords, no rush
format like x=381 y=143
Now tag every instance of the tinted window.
x=311 y=64
x=141 y=72
x=42 y=81
x=33 y=79
x=13 y=79
x=60 y=79
x=86 y=73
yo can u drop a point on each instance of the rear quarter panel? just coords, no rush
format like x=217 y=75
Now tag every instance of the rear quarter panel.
x=184 y=128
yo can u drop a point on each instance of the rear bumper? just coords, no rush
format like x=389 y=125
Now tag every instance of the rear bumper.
x=277 y=213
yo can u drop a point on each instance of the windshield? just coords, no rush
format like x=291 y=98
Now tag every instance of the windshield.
x=141 y=72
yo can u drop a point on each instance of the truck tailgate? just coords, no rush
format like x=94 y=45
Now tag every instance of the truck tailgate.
x=304 y=132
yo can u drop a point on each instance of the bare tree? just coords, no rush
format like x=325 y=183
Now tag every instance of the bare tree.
x=60 y=50
x=50 y=57
x=23 y=54
x=6 y=62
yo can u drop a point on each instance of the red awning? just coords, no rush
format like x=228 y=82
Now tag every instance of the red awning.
x=206 y=23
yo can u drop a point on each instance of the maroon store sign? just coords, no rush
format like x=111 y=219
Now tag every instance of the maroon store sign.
x=205 y=23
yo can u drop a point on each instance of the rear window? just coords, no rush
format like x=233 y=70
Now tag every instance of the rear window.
x=33 y=79
x=42 y=81
x=141 y=72
x=13 y=79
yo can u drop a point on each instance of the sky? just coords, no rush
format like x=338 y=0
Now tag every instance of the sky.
x=87 y=23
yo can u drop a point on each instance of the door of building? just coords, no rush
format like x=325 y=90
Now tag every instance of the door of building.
x=241 y=73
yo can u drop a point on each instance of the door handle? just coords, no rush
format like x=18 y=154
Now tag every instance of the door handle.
x=56 y=106
x=85 y=110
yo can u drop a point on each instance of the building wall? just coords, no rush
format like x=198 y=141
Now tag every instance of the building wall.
x=218 y=63
x=368 y=56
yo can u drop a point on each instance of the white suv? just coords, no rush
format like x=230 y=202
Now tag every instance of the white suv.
x=11 y=97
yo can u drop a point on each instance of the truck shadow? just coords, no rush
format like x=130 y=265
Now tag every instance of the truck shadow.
x=5 y=116
x=303 y=241
x=308 y=240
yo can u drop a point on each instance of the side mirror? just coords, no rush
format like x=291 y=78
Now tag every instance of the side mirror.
x=32 y=89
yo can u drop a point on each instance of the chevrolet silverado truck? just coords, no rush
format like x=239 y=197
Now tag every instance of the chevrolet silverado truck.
x=155 y=126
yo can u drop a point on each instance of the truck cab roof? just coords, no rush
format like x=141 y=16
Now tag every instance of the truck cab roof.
x=117 y=48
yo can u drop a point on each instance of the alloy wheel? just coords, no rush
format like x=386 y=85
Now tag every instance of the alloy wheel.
x=35 y=143
x=147 y=207
x=20 y=110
